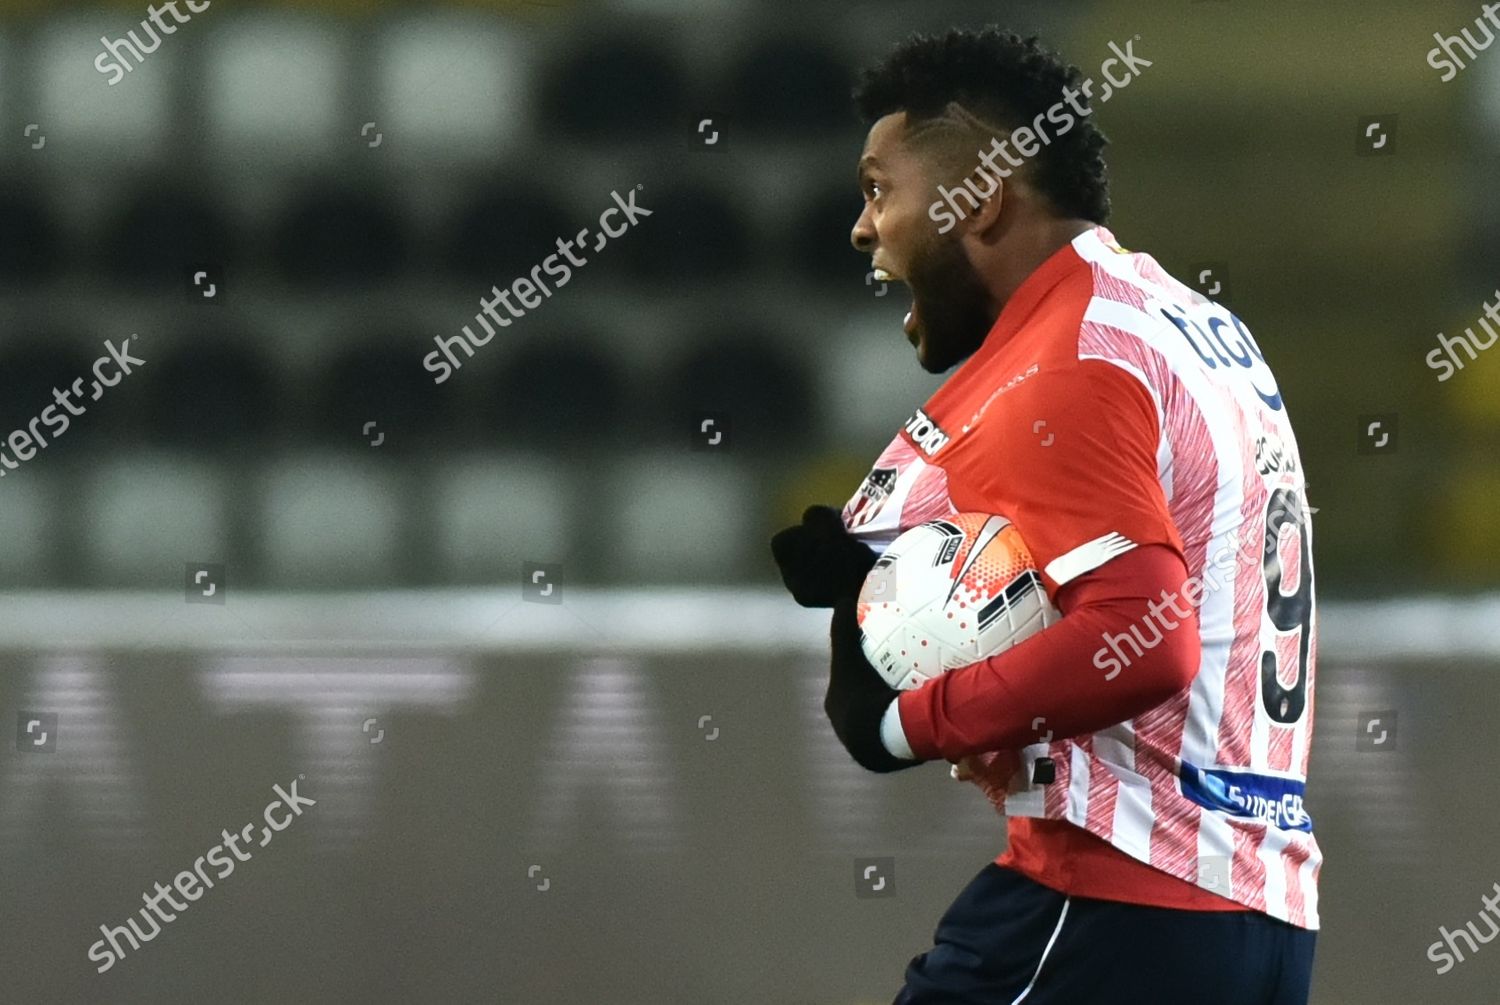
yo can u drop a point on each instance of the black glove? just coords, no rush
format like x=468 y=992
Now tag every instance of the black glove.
x=858 y=696
x=821 y=562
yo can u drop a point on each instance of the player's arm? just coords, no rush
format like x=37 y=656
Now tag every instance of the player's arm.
x=823 y=565
x=1071 y=458
x=1067 y=675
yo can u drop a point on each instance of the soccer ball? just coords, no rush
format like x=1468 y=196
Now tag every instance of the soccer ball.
x=948 y=593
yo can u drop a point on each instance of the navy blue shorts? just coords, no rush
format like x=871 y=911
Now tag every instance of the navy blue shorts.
x=1007 y=939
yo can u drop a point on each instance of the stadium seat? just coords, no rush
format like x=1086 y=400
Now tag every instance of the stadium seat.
x=491 y=514
x=272 y=89
x=213 y=393
x=30 y=369
x=615 y=90
x=681 y=517
x=505 y=230
x=694 y=234
x=29 y=527
x=791 y=89
x=147 y=516
x=29 y=251
x=331 y=235
x=160 y=231
x=766 y=395
x=818 y=248
x=558 y=393
x=85 y=120
x=453 y=83
x=328 y=522
x=381 y=381
x=869 y=388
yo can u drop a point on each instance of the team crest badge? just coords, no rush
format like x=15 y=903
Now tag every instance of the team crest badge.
x=873 y=493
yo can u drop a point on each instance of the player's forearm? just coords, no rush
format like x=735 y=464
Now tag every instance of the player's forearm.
x=1057 y=680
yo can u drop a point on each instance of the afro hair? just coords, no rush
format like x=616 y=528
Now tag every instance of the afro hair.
x=1000 y=78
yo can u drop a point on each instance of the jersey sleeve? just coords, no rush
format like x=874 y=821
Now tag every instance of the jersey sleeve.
x=1070 y=457
x=1058 y=676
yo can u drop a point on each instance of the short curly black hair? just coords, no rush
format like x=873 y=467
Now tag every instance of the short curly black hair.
x=1001 y=78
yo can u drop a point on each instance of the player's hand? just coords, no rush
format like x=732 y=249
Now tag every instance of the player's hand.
x=821 y=563
x=858 y=696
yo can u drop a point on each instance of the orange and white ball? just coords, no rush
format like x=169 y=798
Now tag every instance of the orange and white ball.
x=948 y=593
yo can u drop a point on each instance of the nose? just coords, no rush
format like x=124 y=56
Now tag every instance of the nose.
x=863 y=234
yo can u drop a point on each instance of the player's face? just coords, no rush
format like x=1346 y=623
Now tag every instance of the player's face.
x=951 y=310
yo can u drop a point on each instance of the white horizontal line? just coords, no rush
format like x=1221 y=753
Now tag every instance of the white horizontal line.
x=667 y=620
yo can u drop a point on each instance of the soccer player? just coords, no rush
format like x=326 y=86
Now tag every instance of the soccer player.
x=1150 y=748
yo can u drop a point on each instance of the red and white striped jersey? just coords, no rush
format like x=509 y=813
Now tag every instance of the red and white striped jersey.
x=1112 y=407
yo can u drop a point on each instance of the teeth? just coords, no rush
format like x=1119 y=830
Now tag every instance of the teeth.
x=883 y=276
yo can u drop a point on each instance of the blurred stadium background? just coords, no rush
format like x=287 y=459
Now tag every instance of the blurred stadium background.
x=354 y=177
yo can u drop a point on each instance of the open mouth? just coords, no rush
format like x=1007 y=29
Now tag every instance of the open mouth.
x=909 y=325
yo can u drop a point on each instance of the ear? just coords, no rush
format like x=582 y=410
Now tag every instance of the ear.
x=984 y=217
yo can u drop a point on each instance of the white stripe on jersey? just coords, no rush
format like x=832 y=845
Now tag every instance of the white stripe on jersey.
x=1216 y=839
x=1270 y=855
x=1308 y=883
x=1133 y=816
x=1078 y=784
